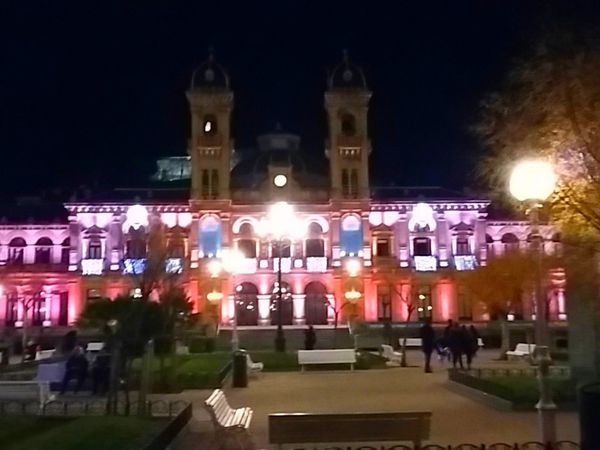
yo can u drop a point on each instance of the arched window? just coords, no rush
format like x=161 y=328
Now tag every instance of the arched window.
x=209 y=125
x=65 y=251
x=136 y=243
x=210 y=236
x=95 y=248
x=247 y=244
x=348 y=124
x=176 y=247
x=316 y=303
x=315 y=245
x=351 y=235
x=422 y=246
x=16 y=249
x=43 y=251
x=246 y=304
x=510 y=241
x=286 y=304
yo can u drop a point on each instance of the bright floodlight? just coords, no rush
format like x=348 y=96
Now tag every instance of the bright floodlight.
x=353 y=267
x=214 y=268
x=282 y=222
x=280 y=180
x=532 y=180
x=232 y=260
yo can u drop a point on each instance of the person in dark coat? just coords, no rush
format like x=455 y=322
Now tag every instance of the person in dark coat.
x=76 y=367
x=310 y=338
x=468 y=345
x=101 y=373
x=427 y=342
x=455 y=344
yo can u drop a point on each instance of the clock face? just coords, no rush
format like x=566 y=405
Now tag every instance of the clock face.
x=280 y=180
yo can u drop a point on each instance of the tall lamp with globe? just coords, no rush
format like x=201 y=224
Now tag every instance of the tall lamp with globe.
x=532 y=182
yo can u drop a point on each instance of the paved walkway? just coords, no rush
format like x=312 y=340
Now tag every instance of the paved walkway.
x=455 y=418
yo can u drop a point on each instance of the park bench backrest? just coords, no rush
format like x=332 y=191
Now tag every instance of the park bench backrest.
x=387 y=350
x=412 y=342
x=94 y=346
x=525 y=348
x=352 y=427
x=218 y=407
x=327 y=356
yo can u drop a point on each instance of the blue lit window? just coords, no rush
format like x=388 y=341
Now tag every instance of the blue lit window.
x=351 y=236
x=210 y=236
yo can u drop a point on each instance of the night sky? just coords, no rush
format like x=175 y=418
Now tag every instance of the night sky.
x=93 y=92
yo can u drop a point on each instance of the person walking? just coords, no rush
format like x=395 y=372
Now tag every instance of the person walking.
x=310 y=338
x=76 y=367
x=427 y=342
x=468 y=345
x=455 y=345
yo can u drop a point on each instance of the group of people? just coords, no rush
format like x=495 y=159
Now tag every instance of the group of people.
x=77 y=368
x=457 y=340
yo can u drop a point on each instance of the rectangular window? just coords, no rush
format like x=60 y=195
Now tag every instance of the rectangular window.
x=95 y=249
x=63 y=311
x=465 y=307
x=354 y=183
x=16 y=255
x=462 y=246
x=423 y=301
x=205 y=184
x=422 y=247
x=383 y=247
x=345 y=183
x=38 y=311
x=12 y=310
x=214 y=184
x=315 y=248
x=284 y=251
x=93 y=294
x=247 y=247
x=384 y=302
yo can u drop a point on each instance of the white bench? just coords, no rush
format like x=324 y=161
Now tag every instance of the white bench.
x=393 y=358
x=411 y=342
x=26 y=390
x=253 y=368
x=227 y=420
x=521 y=351
x=94 y=346
x=44 y=354
x=333 y=356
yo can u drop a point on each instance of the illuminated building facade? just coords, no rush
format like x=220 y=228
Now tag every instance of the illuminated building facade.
x=370 y=248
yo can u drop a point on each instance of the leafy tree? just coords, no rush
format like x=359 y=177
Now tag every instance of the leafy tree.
x=500 y=284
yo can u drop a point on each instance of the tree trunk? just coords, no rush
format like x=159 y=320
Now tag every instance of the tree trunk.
x=113 y=391
x=24 y=336
x=504 y=338
x=403 y=362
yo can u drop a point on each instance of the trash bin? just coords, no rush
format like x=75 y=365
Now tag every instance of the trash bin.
x=589 y=416
x=240 y=369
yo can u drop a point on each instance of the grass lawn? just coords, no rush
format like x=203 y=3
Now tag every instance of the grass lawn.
x=89 y=433
x=524 y=390
x=288 y=362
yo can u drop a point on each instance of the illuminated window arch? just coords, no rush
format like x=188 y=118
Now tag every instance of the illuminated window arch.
x=16 y=248
x=316 y=304
x=510 y=241
x=210 y=125
x=246 y=304
x=65 y=251
x=210 y=236
x=348 y=124
x=315 y=245
x=351 y=235
x=43 y=250
x=136 y=243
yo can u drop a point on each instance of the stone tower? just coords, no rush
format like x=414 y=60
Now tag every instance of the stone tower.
x=210 y=148
x=347 y=104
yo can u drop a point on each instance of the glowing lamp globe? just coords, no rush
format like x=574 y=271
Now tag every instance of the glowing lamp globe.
x=532 y=180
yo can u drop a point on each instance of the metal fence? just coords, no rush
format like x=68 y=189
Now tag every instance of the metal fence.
x=156 y=408
x=555 y=371
x=532 y=445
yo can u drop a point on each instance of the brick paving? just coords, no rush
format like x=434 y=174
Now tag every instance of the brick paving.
x=455 y=418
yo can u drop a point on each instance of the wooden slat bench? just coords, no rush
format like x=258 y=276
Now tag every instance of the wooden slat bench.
x=333 y=356
x=301 y=428
x=26 y=390
x=227 y=420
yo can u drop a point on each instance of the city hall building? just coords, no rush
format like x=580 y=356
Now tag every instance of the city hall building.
x=343 y=242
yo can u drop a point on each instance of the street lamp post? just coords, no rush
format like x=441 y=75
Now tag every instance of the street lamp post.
x=533 y=181
x=280 y=223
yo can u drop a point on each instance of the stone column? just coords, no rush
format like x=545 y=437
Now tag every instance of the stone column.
x=264 y=309
x=299 y=309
